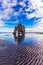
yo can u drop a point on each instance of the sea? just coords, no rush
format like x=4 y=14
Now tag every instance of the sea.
x=26 y=39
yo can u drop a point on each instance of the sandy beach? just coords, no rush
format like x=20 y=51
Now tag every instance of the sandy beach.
x=11 y=54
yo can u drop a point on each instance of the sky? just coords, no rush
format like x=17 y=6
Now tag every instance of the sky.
x=27 y=12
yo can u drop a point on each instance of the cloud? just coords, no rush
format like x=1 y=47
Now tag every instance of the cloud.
x=6 y=9
x=9 y=3
x=16 y=22
x=32 y=8
x=37 y=28
x=1 y=23
x=6 y=29
x=36 y=5
x=22 y=4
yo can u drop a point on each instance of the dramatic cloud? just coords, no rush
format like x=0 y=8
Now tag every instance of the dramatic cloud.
x=16 y=8
x=34 y=7
x=37 y=7
x=31 y=9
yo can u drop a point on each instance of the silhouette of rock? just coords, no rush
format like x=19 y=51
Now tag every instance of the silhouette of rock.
x=19 y=33
x=20 y=29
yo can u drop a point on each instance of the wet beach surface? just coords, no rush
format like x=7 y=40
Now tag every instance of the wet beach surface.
x=22 y=54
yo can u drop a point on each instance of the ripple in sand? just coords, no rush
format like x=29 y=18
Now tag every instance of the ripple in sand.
x=3 y=44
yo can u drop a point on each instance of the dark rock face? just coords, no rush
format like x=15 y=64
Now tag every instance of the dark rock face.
x=20 y=29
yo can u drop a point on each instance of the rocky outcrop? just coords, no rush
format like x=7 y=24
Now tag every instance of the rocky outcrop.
x=20 y=29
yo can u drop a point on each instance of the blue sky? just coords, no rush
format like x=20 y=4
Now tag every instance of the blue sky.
x=27 y=12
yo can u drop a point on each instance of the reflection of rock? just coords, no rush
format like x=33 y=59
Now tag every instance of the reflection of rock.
x=19 y=38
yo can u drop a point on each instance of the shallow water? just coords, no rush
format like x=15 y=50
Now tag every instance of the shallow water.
x=27 y=39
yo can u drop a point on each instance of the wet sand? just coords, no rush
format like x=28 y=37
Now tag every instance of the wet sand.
x=11 y=54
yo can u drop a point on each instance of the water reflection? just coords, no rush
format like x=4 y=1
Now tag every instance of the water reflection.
x=28 y=39
x=24 y=39
x=19 y=38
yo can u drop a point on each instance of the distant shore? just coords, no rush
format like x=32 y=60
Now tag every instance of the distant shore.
x=25 y=32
